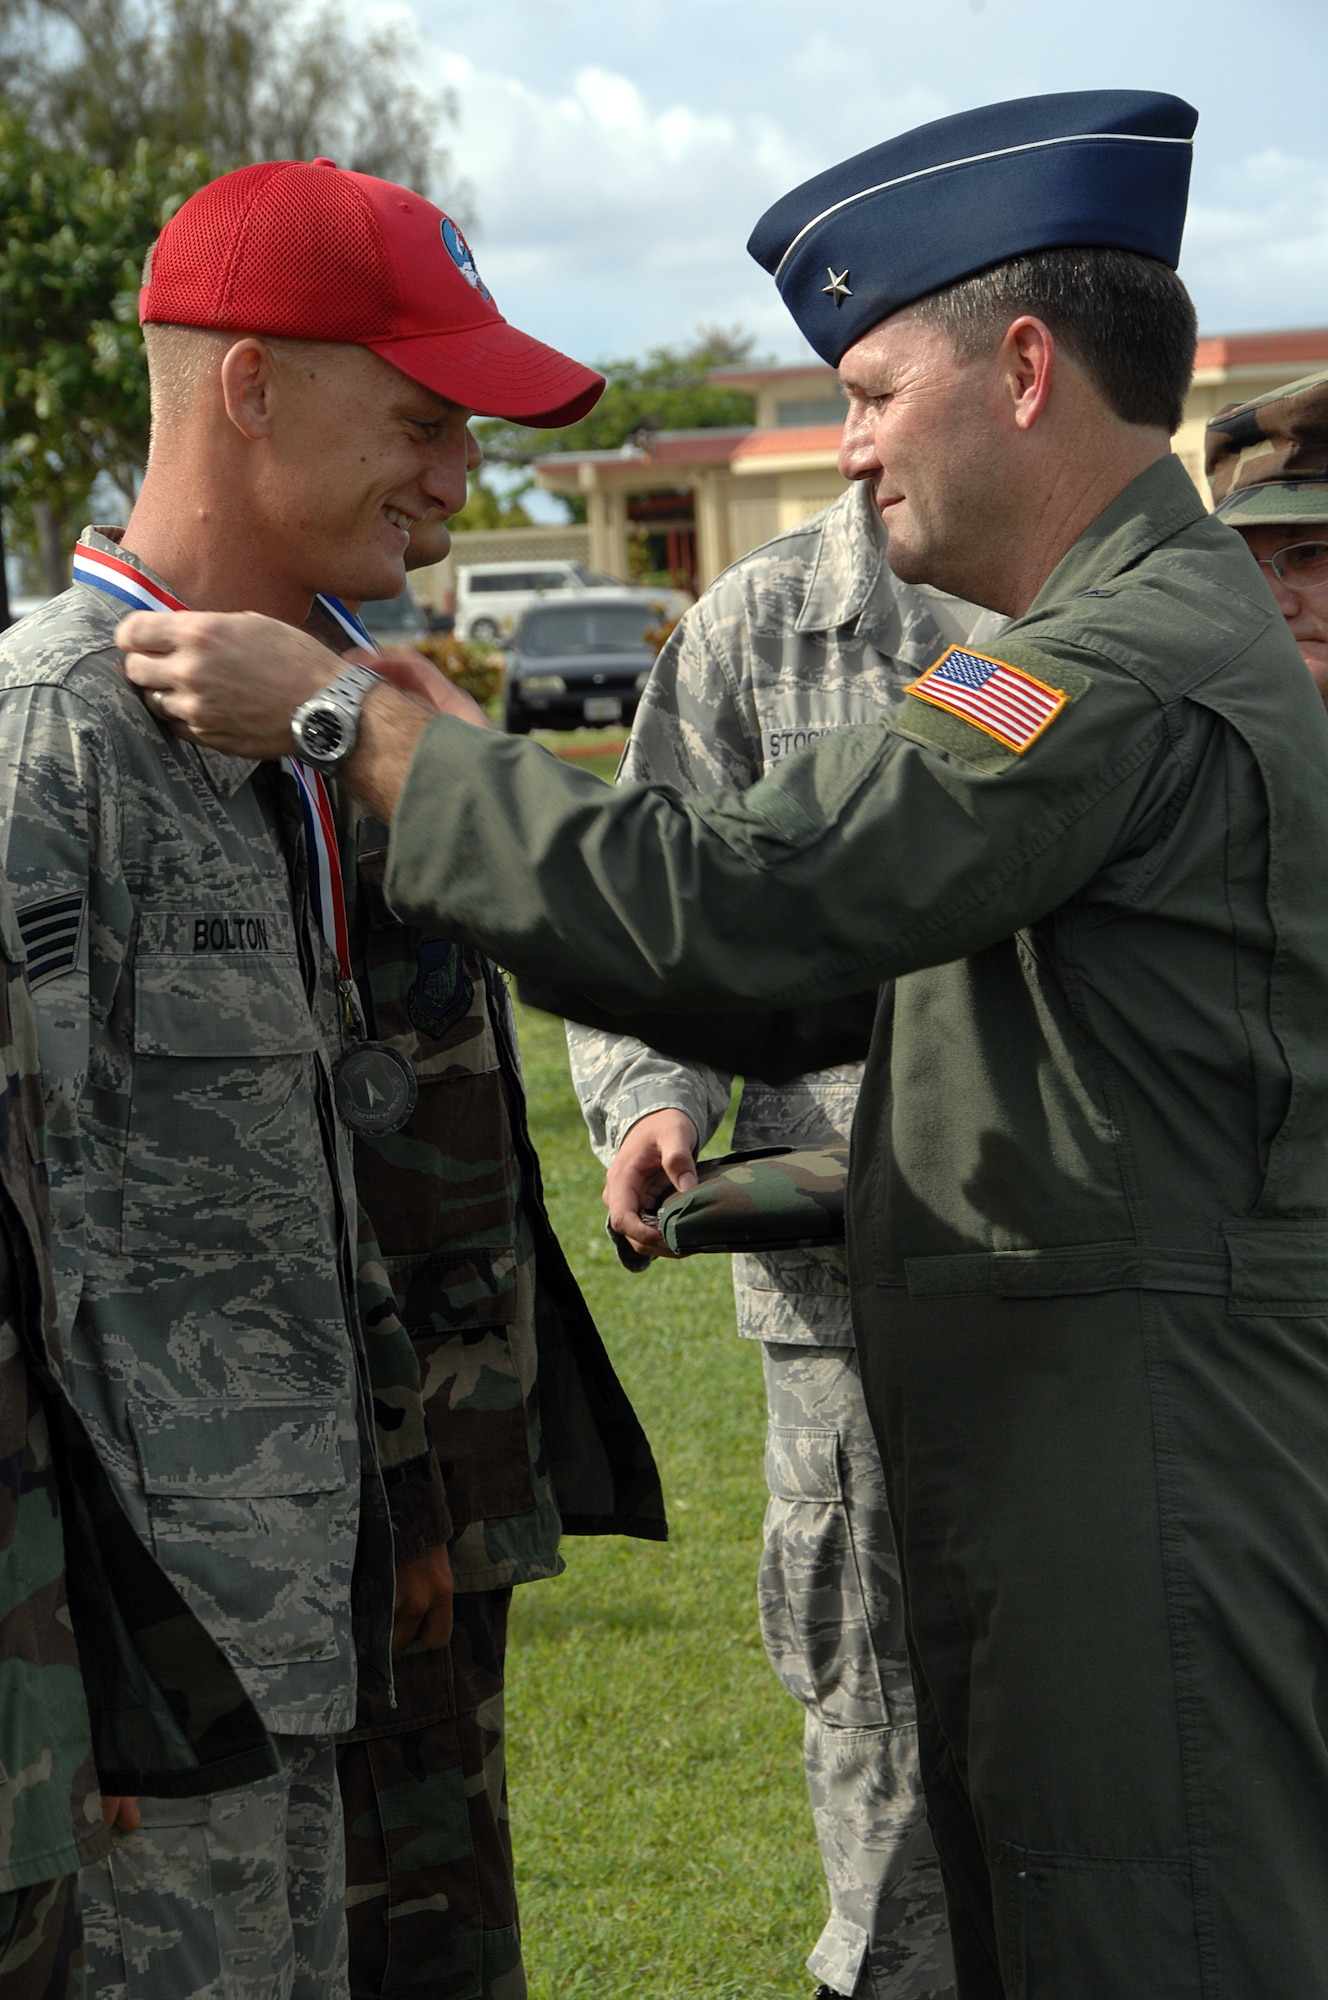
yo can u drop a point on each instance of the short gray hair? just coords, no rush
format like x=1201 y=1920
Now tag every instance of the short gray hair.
x=1127 y=320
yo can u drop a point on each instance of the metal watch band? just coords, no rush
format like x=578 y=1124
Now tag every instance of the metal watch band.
x=326 y=726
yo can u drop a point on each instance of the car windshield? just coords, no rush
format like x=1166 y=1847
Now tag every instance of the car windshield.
x=605 y=628
x=391 y=614
x=490 y=581
x=593 y=579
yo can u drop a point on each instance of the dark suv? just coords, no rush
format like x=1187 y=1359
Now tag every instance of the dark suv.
x=581 y=661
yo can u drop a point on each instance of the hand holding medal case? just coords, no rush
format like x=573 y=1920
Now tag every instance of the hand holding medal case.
x=779 y=1198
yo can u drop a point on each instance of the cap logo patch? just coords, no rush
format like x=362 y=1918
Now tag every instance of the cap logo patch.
x=1002 y=700
x=458 y=250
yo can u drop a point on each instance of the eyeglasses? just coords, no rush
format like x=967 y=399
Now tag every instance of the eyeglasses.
x=1302 y=566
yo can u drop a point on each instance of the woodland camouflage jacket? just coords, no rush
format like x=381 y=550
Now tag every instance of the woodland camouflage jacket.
x=534 y=1433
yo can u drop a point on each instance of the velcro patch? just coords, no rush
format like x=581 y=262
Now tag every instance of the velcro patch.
x=50 y=933
x=1004 y=701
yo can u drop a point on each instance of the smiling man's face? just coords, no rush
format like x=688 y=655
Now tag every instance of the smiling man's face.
x=359 y=455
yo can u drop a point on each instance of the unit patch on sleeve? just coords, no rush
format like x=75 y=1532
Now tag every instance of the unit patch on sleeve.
x=1004 y=701
x=50 y=932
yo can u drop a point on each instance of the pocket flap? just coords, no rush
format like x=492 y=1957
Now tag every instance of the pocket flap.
x=1279 y=1267
x=208 y=984
x=249 y=1450
x=802 y=1463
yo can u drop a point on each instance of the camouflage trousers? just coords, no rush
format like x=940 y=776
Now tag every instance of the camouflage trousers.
x=430 y=1898
x=234 y=1897
x=833 y=1622
x=41 y=1942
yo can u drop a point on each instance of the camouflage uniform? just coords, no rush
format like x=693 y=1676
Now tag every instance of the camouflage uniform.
x=188 y=1016
x=533 y=1432
x=807 y=635
x=1267 y=460
x=114 y=1596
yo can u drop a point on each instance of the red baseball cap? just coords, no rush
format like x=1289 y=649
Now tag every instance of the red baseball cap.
x=310 y=251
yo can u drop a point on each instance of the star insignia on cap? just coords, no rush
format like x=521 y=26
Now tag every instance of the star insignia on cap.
x=837 y=289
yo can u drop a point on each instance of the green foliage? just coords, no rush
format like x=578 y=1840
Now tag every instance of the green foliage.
x=667 y=391
x=486 y=507
x=475 y=668
x=73 y=387
x=664 y=1845
x=113 y=112
x=239 y=80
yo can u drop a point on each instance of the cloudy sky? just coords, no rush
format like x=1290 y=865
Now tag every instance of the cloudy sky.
x=620 y=150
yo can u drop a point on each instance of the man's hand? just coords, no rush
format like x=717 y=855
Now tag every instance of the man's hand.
x=423 y=1601
x=657 y=1157
x=121 y=1812
x=231 y=680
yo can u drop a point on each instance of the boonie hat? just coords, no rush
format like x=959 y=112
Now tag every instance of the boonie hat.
x=1267 y=460
x=311 y=251
x=864 y=239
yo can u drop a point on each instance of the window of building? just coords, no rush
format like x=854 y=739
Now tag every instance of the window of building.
x=825 y=410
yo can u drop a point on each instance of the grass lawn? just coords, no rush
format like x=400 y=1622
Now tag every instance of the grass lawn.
x=596 y=750
x=664 y=1846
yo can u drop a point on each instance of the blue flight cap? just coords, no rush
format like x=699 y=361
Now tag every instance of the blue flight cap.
x=863 y=239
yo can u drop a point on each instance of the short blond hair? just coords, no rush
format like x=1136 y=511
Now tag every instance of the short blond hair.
x=182 y=360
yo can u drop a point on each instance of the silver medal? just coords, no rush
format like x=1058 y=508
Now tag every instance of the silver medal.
x=375 y=1089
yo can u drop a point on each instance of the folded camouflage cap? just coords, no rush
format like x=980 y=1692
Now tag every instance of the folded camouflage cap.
x=779 y=1198
x=1267 y=460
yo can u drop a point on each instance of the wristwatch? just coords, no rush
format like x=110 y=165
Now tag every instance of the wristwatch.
x=325 y=727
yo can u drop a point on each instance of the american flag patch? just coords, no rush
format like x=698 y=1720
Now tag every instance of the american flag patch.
x=991 y=694
x=50 y=933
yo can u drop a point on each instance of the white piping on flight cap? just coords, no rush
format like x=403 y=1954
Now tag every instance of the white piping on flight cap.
x=973 y=160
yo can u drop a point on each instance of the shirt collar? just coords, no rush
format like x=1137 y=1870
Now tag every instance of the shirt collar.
x=1159 y=503
x=224 y=774
x=852 y=583
x=848 y=569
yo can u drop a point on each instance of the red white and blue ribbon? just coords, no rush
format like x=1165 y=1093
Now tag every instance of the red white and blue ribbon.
x=358 y=634
x=320 y=844
x=116 y=578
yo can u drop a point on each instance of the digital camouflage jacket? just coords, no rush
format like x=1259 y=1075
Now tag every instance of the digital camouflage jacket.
x=807 y=635
x=167 y=1712
x=204 y=1211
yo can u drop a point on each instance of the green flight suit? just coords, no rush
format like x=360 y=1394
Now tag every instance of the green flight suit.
x=1088 y=1224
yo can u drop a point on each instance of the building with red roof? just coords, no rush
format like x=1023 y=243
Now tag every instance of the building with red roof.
x=694 y=501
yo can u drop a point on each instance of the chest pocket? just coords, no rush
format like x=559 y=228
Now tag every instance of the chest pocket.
x=223 y=1151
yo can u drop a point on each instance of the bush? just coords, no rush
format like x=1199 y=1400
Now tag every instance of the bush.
x=656 y=635
x=473 y=667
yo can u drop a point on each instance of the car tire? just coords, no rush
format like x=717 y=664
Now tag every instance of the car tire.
x=515 y=720
x=484 y=630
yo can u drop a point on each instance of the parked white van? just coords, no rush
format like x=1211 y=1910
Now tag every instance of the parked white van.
x=491 y=597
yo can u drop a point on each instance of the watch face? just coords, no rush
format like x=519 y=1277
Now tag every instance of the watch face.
x=323 y=733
